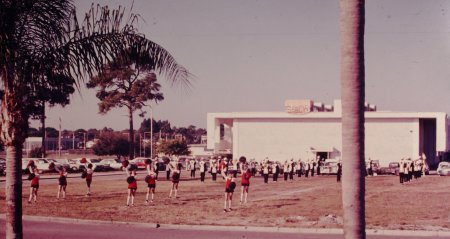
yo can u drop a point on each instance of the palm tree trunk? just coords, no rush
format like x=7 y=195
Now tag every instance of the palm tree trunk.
x=14 y=125
x=131 y=133
x=13 y=192
x=352 y=84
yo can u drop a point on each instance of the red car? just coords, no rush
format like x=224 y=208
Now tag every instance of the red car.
x=139 y=162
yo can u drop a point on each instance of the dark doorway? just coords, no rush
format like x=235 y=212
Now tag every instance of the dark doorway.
x=427 y=140
x=323 y=155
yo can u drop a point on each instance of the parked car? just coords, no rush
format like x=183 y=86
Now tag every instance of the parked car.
x=139 y=162
x=72 y=164
x=329 y=166
x=2 y=166
x=393 y=168
x=41 y=164
x=113 y=163
x=59 y=164
x=96 y=164
x=443 y=169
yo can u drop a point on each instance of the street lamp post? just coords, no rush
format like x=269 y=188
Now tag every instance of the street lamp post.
x=84 y=134
x=145 y=141
x=59 y=138
x=151 y=131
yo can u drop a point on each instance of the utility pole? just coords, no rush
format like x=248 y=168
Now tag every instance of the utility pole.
x=151 y=131
x=59 y=138
x=84 y=134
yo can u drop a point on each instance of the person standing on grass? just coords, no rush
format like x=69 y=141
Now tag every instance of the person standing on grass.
x=307 y=168
x=235 y=167
x=168 y=171
x=175 y=181
x=213 y=169
x=253 y=168
x=401 y=171
x=34 y=186
x=224 y=166
x=339 y=172
x=245 y=184
x=286 y=170
x=265 y=170
x=275 y=171
x=319 y=163
x=291 y=169
x=62 y=181
x=313 y=167
x=411 y=169
x=230 y=185
x=150 y=179
x=424 y=164
x=406 y=171
x=132 y=187
x=192 y=165
x=89 y=173
x=202 y=170
x=298 y=168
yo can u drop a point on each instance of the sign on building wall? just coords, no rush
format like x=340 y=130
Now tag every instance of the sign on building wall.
x=298 y=106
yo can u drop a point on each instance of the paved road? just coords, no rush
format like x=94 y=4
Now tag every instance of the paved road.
x=38 y=228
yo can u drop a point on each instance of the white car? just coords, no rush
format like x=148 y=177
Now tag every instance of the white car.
x=96 y=164
x=113 y=163
x=41 y=164
x=443 y=169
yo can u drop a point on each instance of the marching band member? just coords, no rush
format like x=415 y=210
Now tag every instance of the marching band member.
x=34 y=186
x=132 y=187
x=245 y=184
x=286 y=170
x=230 y=185
x=62 y=182
x=202 y=170
x=150 y=179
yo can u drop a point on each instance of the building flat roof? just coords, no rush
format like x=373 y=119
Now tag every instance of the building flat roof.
x=323 y=115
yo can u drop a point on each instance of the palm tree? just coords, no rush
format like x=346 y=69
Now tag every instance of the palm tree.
x=352 y=84
x=41 y=40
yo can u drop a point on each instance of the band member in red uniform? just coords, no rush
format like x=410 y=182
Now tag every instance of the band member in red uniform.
x=62 y=181
x=175 y=181
x=132 y=187
x=34 y=187
x=245 y=184
x=230 y=185
x=151 y=183
x=89 y=174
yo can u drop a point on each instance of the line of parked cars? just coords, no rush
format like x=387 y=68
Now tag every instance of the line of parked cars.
x=75 y=165
x=72 y=165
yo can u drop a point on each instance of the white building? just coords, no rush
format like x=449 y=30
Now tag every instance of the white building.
x=307 y=129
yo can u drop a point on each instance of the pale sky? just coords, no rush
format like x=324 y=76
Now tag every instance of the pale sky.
x=252 y=55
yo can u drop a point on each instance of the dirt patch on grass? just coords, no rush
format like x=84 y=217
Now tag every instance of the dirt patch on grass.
x=312 y=202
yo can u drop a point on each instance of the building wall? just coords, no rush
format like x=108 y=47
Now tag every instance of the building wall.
x=282 y=139
x=387 y=140
x=390 y=136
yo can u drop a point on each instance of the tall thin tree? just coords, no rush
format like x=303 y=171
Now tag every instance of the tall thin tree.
x=129 y=83
x=352 y=90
